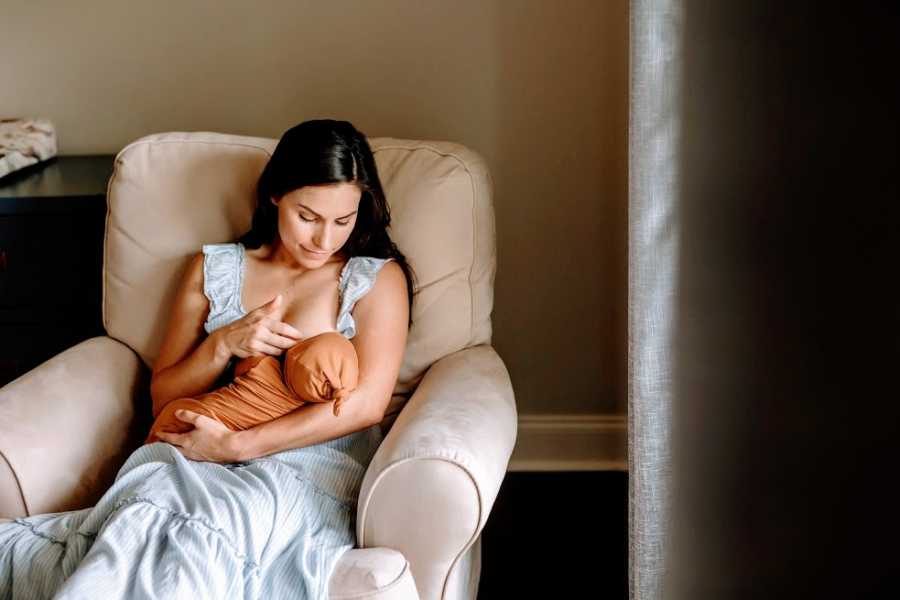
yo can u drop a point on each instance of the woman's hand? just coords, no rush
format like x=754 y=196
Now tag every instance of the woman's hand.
x=258 y=333
x=209 y=441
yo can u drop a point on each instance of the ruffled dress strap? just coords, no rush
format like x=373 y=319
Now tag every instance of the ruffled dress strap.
x=357 y=278
x=223 y=279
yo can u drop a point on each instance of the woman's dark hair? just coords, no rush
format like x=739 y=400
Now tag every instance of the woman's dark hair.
x=322 y=152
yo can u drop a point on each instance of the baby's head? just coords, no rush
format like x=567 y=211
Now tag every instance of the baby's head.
x=323 y=368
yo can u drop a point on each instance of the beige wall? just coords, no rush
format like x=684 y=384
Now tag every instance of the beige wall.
x=539 y=88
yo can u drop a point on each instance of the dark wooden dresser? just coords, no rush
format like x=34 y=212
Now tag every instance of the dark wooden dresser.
x=52 y=218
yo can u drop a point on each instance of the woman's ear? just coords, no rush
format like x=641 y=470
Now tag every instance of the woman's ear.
x=273 y=200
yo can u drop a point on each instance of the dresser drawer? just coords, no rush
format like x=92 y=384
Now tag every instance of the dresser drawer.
x=14 y=272
x=67 y=256
x=52 y=261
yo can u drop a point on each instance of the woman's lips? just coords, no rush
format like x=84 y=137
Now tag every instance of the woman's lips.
x=314 y=253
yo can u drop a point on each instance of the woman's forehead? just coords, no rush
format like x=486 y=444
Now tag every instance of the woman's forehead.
x=335 y=196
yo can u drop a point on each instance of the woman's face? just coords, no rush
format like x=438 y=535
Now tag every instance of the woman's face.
x=315 y=221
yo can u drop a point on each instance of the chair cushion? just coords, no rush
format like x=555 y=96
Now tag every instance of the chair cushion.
x=377 y=573
x=171 y=193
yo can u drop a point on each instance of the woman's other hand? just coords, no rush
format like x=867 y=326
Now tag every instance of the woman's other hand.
x=260 y=332
x=208 y=441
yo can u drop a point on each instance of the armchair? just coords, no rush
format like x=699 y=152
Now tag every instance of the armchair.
x=68 y=425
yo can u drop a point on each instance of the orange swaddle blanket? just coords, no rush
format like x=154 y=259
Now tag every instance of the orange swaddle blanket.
x=322 y=368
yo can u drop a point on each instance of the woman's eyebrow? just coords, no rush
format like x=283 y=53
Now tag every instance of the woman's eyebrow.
x=320 y=216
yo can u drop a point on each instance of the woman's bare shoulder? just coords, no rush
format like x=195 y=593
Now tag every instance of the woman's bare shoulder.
x=192 y=280
x=186 y=317
x=393 y=273
x=388 y=292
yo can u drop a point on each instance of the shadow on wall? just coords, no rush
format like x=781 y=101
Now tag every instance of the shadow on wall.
x=560 y=167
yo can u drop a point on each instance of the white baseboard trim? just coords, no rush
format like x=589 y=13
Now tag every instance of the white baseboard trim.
x=570 y=443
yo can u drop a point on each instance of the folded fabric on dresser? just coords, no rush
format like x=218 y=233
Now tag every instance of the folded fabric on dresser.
x=24 y=142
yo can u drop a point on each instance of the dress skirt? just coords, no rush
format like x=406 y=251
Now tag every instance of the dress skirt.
x=270 y=528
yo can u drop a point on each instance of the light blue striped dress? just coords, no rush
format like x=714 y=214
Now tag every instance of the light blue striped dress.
x=270 y=528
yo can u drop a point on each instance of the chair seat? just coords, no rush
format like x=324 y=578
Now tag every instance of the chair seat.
x=376 y=573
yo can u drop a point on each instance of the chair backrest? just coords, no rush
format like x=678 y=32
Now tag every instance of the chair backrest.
x=172 y=192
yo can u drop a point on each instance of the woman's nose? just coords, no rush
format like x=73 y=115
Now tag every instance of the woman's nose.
x=322 y=238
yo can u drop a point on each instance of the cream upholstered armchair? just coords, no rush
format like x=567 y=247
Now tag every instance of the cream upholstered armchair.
x=67 y=426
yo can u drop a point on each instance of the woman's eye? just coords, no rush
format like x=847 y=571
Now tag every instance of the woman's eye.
x=313 y=220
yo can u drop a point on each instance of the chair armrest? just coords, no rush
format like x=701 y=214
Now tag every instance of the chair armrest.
x=431 y=485
x=66 y=427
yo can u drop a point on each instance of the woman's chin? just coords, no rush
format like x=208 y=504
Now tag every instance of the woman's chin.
x=308 y=259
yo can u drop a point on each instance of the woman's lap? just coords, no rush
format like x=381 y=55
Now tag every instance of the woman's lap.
x=278 y=523
x=166 y=556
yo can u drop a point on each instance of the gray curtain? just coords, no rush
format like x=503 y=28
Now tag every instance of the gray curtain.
x=764 y=329
x=652 y=254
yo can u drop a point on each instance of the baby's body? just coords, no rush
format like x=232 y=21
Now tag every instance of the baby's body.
x=321 y=368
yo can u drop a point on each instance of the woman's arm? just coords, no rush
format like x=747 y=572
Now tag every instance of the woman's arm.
x=189 y=361
x=382 y=318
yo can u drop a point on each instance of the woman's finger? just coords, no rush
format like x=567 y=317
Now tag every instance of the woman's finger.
x=170 y=438
x=273 y=339
x=261 y=347
x=285 y=330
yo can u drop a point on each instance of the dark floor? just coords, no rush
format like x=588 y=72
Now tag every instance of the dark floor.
x=557 y=535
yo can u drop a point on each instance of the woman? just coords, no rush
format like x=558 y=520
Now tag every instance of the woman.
x=265 y=512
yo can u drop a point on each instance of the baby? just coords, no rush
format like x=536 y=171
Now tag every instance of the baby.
x=322 y=368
